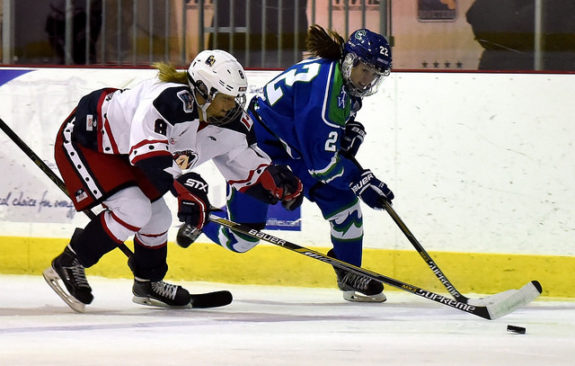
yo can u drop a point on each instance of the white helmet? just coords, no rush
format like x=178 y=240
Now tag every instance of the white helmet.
x=216 y=71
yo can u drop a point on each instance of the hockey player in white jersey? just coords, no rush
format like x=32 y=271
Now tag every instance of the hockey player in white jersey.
x=125 y=149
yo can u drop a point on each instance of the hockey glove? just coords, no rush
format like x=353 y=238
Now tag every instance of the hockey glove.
x=371 y=190
x=193 y=204
x=352 y=138
x=277 y=183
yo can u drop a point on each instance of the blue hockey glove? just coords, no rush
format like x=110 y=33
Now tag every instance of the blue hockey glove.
x=352 y=138
x=371 y=190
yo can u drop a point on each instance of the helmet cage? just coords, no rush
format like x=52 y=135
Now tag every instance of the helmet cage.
x=232 y=115
x=349 y=62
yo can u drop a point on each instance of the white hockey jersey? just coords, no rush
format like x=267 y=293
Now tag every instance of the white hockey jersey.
x=157 y=119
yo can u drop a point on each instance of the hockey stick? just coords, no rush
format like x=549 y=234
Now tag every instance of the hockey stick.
x=46 y=169
x=422 y=252
x=490 y=307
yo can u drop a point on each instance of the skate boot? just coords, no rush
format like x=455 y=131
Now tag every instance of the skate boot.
x=357 y=288
x=160 y=293
x=67 y=269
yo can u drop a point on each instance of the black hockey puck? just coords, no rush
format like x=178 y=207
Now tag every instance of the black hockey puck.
x=516 y=329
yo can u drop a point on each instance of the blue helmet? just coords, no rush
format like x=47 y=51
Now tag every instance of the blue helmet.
x=372 y=50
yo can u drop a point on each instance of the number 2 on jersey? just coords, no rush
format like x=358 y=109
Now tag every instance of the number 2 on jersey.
x=330 y=142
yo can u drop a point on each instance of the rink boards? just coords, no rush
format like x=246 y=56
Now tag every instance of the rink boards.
x=480 y=165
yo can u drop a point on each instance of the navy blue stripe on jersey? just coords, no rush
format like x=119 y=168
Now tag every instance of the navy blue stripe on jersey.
x=176 y=105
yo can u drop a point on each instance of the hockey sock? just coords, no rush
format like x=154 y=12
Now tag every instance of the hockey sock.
x=349 y=251
x=149 y=262
x=229 y=239
x=212 y=229
x=93 y=242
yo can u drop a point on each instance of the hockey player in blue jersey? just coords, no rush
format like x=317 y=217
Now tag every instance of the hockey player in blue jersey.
x=305 y=119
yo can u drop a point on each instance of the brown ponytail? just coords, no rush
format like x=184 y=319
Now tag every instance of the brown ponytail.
x=326 y=44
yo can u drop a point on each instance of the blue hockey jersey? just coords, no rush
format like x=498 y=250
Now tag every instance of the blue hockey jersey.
x=305 y=108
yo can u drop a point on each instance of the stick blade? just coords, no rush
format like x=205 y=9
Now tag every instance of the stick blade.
x=506 y=302
x=211 y=299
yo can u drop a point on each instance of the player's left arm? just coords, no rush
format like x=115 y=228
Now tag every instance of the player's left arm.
x=250 y=170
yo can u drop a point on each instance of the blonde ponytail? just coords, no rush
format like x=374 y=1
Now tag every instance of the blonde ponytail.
x=169 y=74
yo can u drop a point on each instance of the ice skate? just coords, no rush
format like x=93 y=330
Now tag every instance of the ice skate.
x=357 y=288
x=160 y=293
x=67 y=269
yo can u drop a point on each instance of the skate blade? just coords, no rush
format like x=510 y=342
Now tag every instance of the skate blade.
x=353 y=296
x=53 y=280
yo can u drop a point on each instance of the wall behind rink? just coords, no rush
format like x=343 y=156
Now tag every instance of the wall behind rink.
x=478 y=162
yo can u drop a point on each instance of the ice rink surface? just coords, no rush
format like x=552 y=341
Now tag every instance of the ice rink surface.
x=271 y=326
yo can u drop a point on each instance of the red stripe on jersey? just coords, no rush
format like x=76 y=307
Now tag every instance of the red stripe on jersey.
x=111 y=137
x=247 y=121
x=107 y=230
x=150 y=152
x=123 y=223
x=249 y=178
x=152 y=235
x=150 y=155
x=102 y=121
x=147 y=142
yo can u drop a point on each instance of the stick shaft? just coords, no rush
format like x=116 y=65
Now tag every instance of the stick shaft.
x=423 y=253
x=49 y=172
x=480 y=311
x=419 y=248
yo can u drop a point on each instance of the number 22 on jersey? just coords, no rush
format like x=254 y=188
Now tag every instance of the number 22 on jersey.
x=305 y=73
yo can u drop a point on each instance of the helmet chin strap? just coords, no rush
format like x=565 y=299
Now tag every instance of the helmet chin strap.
x=204 y=107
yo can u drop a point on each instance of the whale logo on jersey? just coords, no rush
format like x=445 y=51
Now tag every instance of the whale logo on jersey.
x=342 y=98
x=185 y=159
